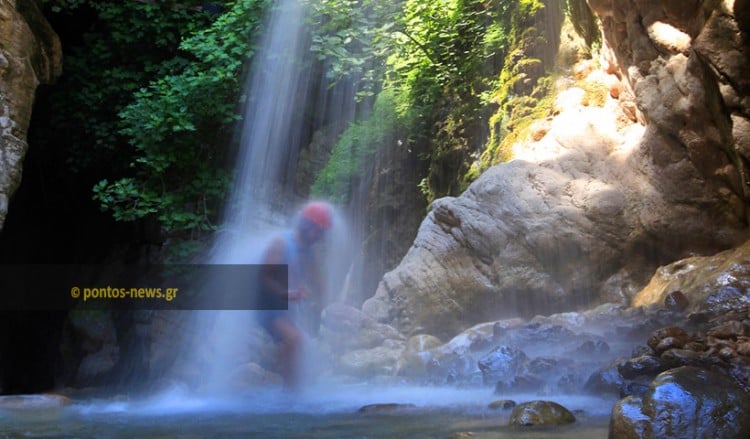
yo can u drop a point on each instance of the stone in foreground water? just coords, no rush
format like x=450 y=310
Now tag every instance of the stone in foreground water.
x=540 y=413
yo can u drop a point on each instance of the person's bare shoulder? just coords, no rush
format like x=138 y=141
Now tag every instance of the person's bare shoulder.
x=275 y=251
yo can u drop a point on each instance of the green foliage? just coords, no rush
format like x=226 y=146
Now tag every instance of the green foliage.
x=439 y=55
x=160 y=83
x=124 y=47
x=172 y=123
x=357 y=146
x=519 y=104
x=443 y=60
x=352 y=37
x=60 y=5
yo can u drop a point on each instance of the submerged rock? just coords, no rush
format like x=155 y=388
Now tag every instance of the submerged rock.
x=683 y=403
x=540 y=413
x=385 y=408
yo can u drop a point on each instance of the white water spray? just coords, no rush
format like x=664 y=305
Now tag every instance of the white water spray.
x=280 y=88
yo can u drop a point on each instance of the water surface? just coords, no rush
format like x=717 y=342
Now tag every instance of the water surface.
x=319 y=412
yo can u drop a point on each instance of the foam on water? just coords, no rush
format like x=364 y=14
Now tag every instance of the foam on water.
x=323 y=399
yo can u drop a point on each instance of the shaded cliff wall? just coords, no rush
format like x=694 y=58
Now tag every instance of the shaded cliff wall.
x=30 y=55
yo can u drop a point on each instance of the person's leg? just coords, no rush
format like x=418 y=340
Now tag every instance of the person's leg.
x=289 y=351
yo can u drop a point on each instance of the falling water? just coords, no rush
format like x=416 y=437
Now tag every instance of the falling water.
x=280 y=89
x=277 y=89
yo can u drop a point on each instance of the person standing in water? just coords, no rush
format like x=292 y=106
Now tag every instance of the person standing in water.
x=295 y=248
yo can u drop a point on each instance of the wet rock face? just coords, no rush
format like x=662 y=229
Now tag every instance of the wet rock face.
x=708 y=286
x=502 y=364
x=721 y=345
x=30 y=54
x=681 y=403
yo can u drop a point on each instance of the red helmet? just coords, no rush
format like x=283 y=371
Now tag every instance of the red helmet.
x=319 y=212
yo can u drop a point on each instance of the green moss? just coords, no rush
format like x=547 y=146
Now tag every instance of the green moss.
x=529 y=65
x=595 y=93
x=510 y=124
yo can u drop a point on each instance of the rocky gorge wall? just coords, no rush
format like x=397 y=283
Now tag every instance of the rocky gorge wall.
x=30 y=55
x=602 y=193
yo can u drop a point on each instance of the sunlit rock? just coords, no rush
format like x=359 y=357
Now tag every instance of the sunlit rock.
x=681 y=403
x=540 y=413
x=712 y=285
x=601 y=197
x=668 y=38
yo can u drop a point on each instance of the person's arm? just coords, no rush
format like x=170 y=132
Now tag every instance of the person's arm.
x=270 y=276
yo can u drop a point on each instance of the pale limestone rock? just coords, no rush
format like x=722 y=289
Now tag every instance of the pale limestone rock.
x=381 y=360
x=588 y=209
x=669 y=38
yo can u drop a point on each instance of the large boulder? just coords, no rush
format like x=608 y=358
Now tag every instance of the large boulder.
x=30 y=54
x=603 y=195
x=684 y=402
x=540 y=413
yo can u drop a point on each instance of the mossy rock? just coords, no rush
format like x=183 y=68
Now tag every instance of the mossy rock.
x=534 y=413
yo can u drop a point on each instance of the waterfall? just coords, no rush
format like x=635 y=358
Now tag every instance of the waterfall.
x=277 y=89
x=282 y=85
